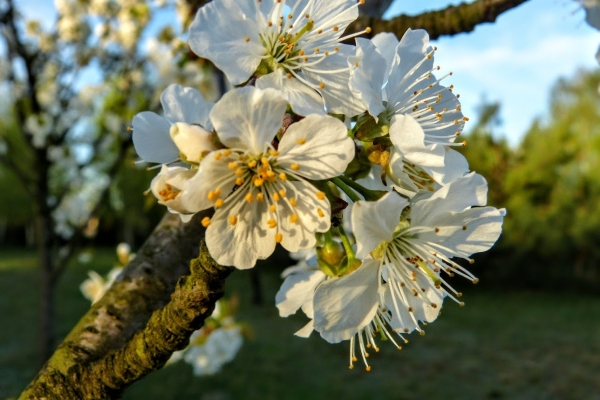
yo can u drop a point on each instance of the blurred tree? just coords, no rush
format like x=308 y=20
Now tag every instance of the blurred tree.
x=554 y=189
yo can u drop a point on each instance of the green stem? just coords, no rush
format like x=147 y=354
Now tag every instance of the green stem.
x=347 y=245
x=346 y=189
x=368 y=194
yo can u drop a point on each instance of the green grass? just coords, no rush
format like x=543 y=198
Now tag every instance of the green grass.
x=501 y=345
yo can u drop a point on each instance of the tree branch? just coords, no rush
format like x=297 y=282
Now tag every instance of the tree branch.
x=449 y=21
x=127 y=334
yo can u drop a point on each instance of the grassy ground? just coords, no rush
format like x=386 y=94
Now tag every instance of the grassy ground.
x=501 y=345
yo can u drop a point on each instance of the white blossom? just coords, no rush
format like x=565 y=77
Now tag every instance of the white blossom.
x=261 y=194
x=293 y=46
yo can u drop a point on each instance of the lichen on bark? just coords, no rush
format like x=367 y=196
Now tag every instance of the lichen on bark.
x=147 y=315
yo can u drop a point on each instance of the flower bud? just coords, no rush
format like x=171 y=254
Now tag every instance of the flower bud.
x=193 y=141
x=367 y=129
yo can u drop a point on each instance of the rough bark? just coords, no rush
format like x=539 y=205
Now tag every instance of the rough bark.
x=449 y=21
x=149 y=313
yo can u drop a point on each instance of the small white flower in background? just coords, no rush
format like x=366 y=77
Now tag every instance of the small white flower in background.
x=216 y=343
x=293 y=46
x=96 y=286
x=156 y=138
x=273 y=201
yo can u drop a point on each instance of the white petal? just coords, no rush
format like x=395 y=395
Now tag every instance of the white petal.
x=483 y=227
x=386 y=43
x=185 y=104
x=409 y=64
x=242 y=244
x=176 y=177
x=409 y=138
x=151 y=138
x=193 y=141
x=219 y=33
x=327 y=149
x=213 y=174
x=373 y=180
x=464 y=192
x=306 y=330
x=345 y=305
x=366 y=80
x=374 y=222
x=303 y=99
x=301 y=234
x=248 y=118
x=455 y=166
x=296 y=290
x=336 y=92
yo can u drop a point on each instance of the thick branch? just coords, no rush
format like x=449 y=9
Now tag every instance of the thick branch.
x=123 y=336
x=449 y=21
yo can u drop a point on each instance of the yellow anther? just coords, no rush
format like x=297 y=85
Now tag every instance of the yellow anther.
x=260 y=197
x=252 y=164
x=212 y=196
x=232 y=165
x=320 y=195
x=239 y=171
x=206 y=222
x=272 y=223
x=283 y=176
x=219 y=203
x=293 y=202
x=295 y=167
x=218 y=156
x=258 y=182
x=249 y=198
x=320 y=212
x=336 y=28
x=301 y=141
x=239 y=181
x=321 y=85
x=270 y=174
x=264 y=161
x=275 y=197
x=368 y=30
x=278 y=238
x=282 y=193
x=232 y=219
x=246 y=39
x=218 y=192
x=273 y=153
x=288 y=75
x=272 y=208
x=227 y=153
x=294 y=218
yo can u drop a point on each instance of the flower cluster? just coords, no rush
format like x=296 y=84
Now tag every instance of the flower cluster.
x=341 y=153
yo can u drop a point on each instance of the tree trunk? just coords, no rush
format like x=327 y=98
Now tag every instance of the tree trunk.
x=47 y=287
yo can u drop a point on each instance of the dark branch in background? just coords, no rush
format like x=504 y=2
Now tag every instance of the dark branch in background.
x=449 y=21
x=147 y=315
x=375 y=8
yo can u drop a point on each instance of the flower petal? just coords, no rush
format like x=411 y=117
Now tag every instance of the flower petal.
x=151 y=138
x=367 y=76
x=248 y=118
x=386 y=43
x=185 y=104
x=345 y=305
x=464 y=192
x=243 y=243
x=374 y=222
x=335 y=86
x=471 y=231
x=214 y=173
x=409 y=138
x=303 y=99
x=326 y=149
x=306 y=330
x=223 y=33
x=296 y=290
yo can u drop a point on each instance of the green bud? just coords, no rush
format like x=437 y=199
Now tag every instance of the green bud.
x=367 y=130
x=266 y=66
x=330 y=256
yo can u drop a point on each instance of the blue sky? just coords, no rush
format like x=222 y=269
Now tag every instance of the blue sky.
x=515 y=60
